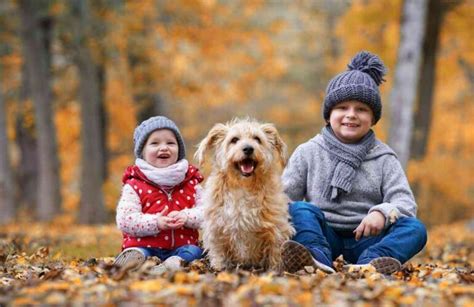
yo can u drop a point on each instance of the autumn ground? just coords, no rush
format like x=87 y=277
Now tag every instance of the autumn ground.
x=59 y=264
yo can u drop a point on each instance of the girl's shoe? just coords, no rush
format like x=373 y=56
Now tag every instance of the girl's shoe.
x=172 y=264
x=295 y=257
x=131 y=258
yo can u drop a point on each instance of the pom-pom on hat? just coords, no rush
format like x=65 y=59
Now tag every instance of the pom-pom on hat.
x=359 y=82
x=143 y=131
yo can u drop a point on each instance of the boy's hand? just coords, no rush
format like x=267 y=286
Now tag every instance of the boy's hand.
x=371 y=225
x=179 y=218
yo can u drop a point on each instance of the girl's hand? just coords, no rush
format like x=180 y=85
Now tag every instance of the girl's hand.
x=371 y=225
x=179 y=217
x=164 y=222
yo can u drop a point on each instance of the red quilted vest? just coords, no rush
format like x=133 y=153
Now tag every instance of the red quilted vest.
x=153 y=199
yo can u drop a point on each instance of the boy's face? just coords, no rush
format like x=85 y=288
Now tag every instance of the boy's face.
x=351 y=120
x=161 y=148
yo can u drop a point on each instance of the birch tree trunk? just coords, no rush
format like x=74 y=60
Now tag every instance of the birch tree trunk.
x=7 y=207
x=403 y=95
x=36 y=58
x=92 y=208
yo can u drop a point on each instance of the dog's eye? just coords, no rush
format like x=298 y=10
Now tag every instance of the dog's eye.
x=234 y=140
x=256 y=138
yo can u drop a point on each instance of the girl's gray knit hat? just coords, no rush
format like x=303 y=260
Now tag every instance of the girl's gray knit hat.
x=154 y=123
x=360 y=82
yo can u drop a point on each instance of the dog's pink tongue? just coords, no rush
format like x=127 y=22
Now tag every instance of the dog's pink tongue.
x=246 y=167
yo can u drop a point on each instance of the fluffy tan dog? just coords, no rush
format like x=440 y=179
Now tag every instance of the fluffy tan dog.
x=246 y=215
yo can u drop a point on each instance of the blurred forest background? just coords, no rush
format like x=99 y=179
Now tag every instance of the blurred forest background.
x=77 y=76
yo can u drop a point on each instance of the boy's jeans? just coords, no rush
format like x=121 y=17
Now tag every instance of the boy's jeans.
x=186 y=252
x=401 y=241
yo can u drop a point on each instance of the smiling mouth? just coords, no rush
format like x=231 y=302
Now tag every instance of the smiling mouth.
x=163 y=156
x=246 y=167
x=351 y=125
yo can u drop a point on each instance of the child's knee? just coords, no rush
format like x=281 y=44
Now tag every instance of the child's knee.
x=301 y=207
x=417 y=228
x=191 y=252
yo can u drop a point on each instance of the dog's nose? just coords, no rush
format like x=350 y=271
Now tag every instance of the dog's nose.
x=248 y=150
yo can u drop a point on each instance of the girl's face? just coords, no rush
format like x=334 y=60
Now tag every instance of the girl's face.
x=351 y=120
x=161 y=148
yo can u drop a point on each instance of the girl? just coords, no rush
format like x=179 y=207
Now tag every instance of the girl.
x=159 y=210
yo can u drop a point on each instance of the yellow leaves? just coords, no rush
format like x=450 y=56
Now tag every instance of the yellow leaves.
x=11 y=65
x=148 y=285
x=52 y=286
x=365 y=25
x=462 y=290
x=21 y=260
x=24 y=301
x=183 y=278
x=359 y=271
x=304 y=298
x=437 y=273
x=57 y=8
x=278 y=25
x=76 y=280
x=227 y=278
x=407 y=300
x=208 y=3
x=179 y=65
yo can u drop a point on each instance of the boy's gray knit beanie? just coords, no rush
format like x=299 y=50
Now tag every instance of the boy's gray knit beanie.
x=154 y=123
x=360 y=82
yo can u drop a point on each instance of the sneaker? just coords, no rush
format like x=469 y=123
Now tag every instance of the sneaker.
x=130 y=258
x=383 y=265
x=172 y=264
x=386 y=265
x=295 y=257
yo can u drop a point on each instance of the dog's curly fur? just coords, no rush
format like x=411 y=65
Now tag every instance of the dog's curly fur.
x=246 y=217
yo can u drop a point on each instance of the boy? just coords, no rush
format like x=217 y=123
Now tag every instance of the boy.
x=360 y=203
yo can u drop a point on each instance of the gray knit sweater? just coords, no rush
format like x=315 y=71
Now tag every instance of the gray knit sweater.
x=380 y=184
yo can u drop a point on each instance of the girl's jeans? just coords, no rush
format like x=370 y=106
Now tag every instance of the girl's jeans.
x=186 y=252
x=402 y=240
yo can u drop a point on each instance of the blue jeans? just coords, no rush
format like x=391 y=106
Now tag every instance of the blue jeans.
x=402 y=240
x=186 y=252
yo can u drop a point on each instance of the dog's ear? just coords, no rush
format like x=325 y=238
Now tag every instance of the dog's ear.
x=215 y=135
x=276 y=141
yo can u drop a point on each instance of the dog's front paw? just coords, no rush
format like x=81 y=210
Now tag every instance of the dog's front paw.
x=217 y=265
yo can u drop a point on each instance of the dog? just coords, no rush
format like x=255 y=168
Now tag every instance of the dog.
x=246 y=215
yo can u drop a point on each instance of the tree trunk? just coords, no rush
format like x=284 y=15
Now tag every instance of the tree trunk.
x=150 y=105
x=437 y=9
x=426 y=84
x=403 y=93
x=103 y=122
x=26 y=175
x=7 y=207
x=92 y=209
x=36 y=57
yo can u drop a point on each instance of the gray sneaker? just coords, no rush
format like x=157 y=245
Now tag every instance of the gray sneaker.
x=386 y=265
x=383 y=265
x=295 y=257
x=172 y=264
x=130 y=258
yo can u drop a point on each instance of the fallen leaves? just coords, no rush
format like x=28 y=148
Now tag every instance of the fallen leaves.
x=32 y=271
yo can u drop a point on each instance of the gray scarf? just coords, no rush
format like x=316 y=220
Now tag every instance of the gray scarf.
x=345 y=160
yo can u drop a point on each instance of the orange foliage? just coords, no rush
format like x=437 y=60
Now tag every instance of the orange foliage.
x=212 y=60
